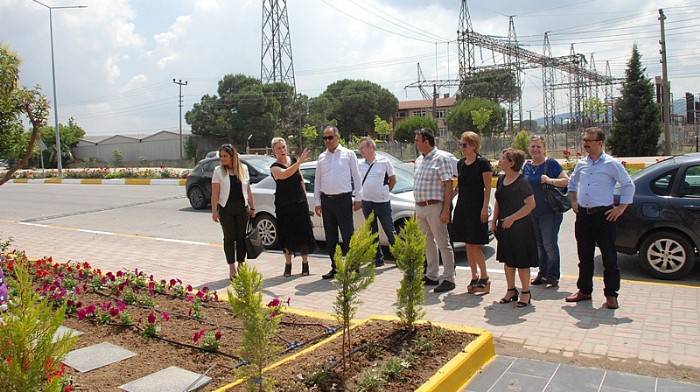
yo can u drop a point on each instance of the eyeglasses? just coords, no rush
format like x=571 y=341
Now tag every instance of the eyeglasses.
x=590 y=140
x=328 y=137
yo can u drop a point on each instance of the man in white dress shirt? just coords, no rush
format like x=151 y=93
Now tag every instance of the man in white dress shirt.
x=378 y=179
x=337 y=178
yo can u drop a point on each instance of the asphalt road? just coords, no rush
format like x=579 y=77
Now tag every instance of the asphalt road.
x=163 y=211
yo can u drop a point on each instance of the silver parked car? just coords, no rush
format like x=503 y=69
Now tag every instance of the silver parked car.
x=402 y=205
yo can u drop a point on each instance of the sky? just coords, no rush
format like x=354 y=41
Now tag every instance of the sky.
x=115 y=60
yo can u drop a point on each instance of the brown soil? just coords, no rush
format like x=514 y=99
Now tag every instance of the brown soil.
x=377 y=342
x=634 y=366
x=155 y=354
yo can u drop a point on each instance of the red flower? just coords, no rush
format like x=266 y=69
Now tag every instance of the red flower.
x=165 y=316
x=274 y=303
x=151 y=318
x=172 y=282
x=189 y=287
x=217 y=335
x=86 y=265
x=198 y=335
x=114 y=312
x=68 y=388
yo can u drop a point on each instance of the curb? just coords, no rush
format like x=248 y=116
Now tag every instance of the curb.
x=100 y=181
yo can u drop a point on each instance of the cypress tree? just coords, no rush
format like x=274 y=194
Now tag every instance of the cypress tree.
x=637 y=127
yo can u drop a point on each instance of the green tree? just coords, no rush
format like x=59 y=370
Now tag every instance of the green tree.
x=496 y=85
x=409 y=252
x=70 y=135
x=522 y=141
x=15 y=102
x=355 y=103
x=30 y=357
x=354 y=273
x=382 y=128
x=309 y=135
x=593 y=108
x=481 y=117
x=460 y=116
x=636 y=128
x=405 y=129
x=244 y=106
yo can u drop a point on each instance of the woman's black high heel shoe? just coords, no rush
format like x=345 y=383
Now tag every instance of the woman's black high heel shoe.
x=521 y=304
x=287 y=270
x=304 y=269
x=512 y=298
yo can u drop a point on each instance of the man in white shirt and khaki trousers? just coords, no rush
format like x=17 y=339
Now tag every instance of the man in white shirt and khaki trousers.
x=378 y=179
x=337 y=174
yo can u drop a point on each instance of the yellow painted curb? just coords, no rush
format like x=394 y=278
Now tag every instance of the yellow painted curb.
x=494 y=181
x=635 y=165
x=137 y=181
x=52 y=181
x=183 y=181
x=21 y=180
x=92 y=181
x=453 y=376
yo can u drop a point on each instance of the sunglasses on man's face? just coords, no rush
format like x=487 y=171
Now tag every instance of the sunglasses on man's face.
x=328 y=138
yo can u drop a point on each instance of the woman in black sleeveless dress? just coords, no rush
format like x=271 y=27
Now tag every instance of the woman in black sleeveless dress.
x=294 y=226
x=513 y=225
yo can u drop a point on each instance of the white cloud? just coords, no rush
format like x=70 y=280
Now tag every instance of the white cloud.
x=112 y=70
x=134 y=83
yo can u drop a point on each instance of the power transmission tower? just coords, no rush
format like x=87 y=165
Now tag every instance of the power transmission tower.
x=609 y=99
x=464 y=44
x=548 y=81
x=276 y=63
x=512 y=60
x=180 y=83
x=665 y=87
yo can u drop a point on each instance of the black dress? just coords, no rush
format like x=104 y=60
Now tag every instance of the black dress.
x=466 y=223
x=293 y=221
x=517 y=246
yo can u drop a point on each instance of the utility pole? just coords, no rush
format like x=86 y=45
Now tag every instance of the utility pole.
x=529 y=112
x=665 y=93
x=180 y=83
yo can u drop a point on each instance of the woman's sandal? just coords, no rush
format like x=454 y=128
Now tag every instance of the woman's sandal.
x=512 y=298
x=305 y=269
x=483 y=286
x=287 y=270
x=521 y=304
x=472 y=285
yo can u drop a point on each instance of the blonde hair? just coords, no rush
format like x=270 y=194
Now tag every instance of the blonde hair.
x=277 y=140
x=236 y=165
x=368 y=141
x=472 y=138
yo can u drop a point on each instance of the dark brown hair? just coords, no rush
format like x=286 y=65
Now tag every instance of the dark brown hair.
x=516 y=156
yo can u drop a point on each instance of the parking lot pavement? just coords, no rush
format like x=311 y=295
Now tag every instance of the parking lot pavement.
x=657 y=323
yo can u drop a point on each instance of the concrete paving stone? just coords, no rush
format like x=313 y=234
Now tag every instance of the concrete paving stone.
x=166 y=380
x=584 y=379
x=63 y=331
x=96 y=356
x=520 y=383
x=488 y=376
x=665 y=385
x=533 y=367
x=630 y=382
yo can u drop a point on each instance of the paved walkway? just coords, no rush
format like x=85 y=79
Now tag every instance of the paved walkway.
x=518 y=374
x=656 y=322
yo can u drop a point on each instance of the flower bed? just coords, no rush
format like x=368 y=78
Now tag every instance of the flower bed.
x=167 y=323
x=106 y=173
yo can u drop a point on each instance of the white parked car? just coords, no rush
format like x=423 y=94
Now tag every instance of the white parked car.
x=402 y=206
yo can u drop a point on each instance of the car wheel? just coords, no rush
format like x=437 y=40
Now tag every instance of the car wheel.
x=197 y=199
x=666 y=255
x=267 y=231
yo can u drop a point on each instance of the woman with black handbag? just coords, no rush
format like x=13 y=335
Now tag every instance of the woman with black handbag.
x=232 y=204
x=545 y=175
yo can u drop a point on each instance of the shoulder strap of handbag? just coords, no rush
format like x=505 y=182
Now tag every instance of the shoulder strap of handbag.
x=368 y=169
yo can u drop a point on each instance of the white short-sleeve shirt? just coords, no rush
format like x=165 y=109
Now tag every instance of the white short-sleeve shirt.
x=374 y=189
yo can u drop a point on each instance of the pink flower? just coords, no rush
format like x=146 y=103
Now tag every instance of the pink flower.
x=120 y=305
x=189 y=287
x=151 y=318
x=105 y=306
x=274 y=303
x=198 y=335
x=165 y=316
x=120 y=274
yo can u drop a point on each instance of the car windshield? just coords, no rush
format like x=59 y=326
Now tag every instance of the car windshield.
x=261 y=163
x=404 y=180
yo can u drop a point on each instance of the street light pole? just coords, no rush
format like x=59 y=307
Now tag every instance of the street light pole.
x=59 y=163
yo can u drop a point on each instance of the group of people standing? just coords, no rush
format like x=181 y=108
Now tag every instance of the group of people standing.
x=525 y=225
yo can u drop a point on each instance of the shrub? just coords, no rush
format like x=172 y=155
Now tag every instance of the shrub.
x=409 y=252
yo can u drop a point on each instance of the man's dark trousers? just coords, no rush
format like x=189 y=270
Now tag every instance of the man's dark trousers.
x=594 y=229
x=336 y=211
x=382 y=213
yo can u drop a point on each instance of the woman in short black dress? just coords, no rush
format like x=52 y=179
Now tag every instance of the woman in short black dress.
x=514 y=228
x=294 y=226
x=470 y=221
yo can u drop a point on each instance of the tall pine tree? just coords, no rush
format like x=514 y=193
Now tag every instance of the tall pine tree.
x=637 y=127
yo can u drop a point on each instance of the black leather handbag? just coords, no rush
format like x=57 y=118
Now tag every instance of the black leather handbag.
x=253 y=243
x=556 y=197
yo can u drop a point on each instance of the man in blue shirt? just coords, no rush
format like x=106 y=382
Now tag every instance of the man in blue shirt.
x=591 y=192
